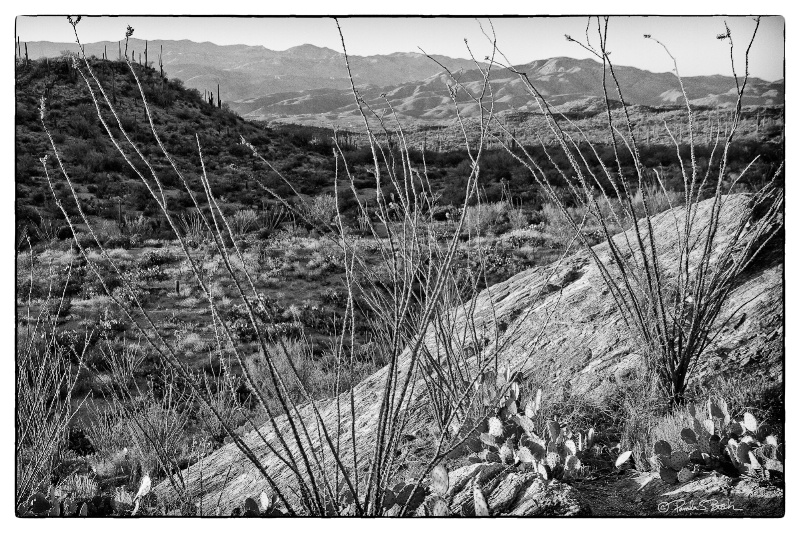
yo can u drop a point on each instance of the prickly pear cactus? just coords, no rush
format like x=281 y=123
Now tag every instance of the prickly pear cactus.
x=527 y=439
x=440 y=480
x=718 y=442
x=439 y=508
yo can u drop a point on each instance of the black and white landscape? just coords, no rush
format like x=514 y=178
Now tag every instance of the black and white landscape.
x=308 y=281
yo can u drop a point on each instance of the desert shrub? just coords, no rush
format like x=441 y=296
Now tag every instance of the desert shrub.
x=107 y=431
x=518 y=219
x=483 y=217
x=300 y=355
x=138 y=228
x=82 y=126
x=243 y=221
x=194 y=229
x=320 y=210
x=639 y=407
x=26 y=167
x=558 y=223
x=659 y=200
x=141 y=430
x=46 y=379
x=271 y=219
x=155 y=258
x=46 y=230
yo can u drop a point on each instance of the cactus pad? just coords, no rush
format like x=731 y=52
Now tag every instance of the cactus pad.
x=553 y=429
x=678 y=460
x=440 y=480
x=623 y=458
x=688 y=436
x=668 y=475
x=685 y=475
x=552 y=459
x=714 y=446
x=506 y=454
x=663 y=448
x=481 y=507
x=570 y=445
x=439 y=508
x=495 y=427
x=750 y=423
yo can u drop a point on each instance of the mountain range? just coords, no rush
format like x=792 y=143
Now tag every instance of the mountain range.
x=568 y=84
x=245 y=72
x=309 y=84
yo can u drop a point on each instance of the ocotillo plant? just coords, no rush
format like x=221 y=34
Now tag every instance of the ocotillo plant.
x=674 y=318
x=318 y=445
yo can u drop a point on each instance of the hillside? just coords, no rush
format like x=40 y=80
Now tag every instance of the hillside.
x=563 y=330
x=113 y=192
x=246 y=72
x=107 y=184
x=567 y=83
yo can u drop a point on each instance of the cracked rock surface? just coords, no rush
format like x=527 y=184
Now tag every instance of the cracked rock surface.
x=512 y=492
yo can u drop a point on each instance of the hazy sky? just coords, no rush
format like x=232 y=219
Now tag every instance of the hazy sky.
x=692 y=40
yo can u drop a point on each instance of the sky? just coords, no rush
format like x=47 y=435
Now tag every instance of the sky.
x=692 y=40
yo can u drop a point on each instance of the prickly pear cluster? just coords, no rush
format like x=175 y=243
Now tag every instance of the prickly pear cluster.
x=436 y=505
x=523 y=437
x=61 y=502
x=408 y=495
x=264 y=506
x=54 y=503
x=719 y=442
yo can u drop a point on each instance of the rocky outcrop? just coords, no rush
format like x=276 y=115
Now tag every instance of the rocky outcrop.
x=559 y=324
x=511 y=492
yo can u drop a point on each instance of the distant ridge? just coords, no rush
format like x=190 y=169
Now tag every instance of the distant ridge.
x=567 y=83
x=309 y=84
x=245 y=71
